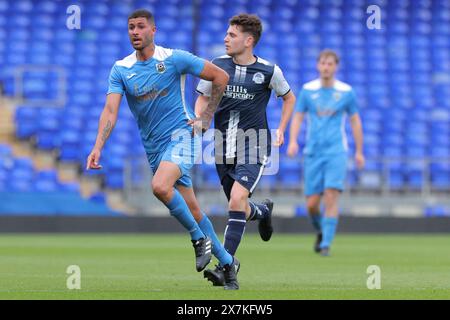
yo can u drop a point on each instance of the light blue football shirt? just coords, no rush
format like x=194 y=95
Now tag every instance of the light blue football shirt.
x=326 y=110
x=155 y=93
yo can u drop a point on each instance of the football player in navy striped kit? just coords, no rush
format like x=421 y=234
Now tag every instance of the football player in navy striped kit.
x=243 y=152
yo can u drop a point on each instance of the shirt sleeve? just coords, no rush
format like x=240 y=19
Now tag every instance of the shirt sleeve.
x=352 y=106
x=186 y=62
x=204 y=87
x=300 y=104
x=115 y=82
x=278 y=83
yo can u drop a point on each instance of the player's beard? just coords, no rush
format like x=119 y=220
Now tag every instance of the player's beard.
x=145 y=42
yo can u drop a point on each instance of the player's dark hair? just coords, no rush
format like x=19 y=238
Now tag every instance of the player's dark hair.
x=142 y=13
x=249 y=23
x=328 y=53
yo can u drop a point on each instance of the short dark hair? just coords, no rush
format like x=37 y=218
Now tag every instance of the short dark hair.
x=249 y=23
x=142 y=13
x=328 y=53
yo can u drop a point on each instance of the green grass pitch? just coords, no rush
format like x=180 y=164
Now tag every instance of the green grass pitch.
x=160 y=266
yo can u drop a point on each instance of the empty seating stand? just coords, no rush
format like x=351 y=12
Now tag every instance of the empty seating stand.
x=27 y=191
x=400 y=75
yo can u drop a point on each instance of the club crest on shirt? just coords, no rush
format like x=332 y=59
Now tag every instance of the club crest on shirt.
x=337 y=96
x=258 y=78
x=160 y=67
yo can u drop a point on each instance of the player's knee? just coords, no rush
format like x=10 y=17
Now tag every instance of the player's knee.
x=237 y=201
x=331 y=206
x=313 y=207
x=161 y=191
x=331 y=196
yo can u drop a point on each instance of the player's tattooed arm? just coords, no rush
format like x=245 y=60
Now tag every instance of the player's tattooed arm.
x=106 y=124
x=219 y=80
x=216 y=95
x=108 y=118
x=106 y=131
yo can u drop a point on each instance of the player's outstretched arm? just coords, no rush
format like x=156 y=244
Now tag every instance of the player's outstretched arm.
x=219 y=79
x=106 y=124
x=355 y=122
x=286 y=113
x=293 y=133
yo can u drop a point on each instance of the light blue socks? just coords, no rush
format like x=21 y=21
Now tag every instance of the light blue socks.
x=329 y=225
x=179 y=209
x=217 y=249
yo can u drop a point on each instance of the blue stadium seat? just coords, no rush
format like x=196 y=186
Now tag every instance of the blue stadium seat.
x=70 y=145
x=46 y=181
x=267 y=181
x=441 y=180
x=21 y=177
x=290 y=179
x=437 y=211
x=300 y=211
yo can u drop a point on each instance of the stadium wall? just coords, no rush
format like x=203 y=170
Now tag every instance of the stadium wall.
x=93 y=224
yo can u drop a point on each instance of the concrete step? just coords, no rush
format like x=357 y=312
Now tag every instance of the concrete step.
x=117 y=201
x=7 y=127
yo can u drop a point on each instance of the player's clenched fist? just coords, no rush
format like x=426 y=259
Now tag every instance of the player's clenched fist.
x=199 y=125
x=279 y=138
x=360 y=160
x=93 y=159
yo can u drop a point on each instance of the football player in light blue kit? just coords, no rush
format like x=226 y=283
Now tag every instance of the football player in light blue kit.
x=153 y=80
x=326 y=102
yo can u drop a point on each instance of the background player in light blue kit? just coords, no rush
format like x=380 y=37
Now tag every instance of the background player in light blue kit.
x=326 y=102
x=152 y=78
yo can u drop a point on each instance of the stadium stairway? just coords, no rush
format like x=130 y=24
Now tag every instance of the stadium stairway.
x=52 y=183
